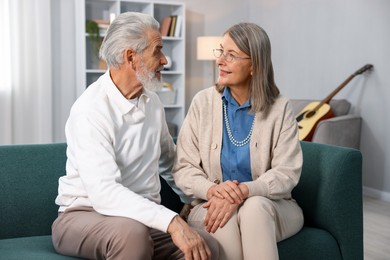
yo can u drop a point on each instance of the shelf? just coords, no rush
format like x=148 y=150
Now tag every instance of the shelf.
x=172 y=106
x=95 y=71
x=171 y=72
x=172 y=38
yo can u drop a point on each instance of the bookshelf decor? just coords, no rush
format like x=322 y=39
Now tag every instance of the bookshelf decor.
x=167 y=94
x=168 y=66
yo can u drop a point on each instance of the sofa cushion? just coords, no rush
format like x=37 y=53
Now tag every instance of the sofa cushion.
x=39 y=247
x=339 y=106
x=310 y=243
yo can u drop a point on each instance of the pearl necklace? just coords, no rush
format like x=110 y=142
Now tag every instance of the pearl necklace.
x=229 y=131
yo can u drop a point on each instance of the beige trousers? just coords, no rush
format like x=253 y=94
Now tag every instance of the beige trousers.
x=255 y=228
x=82 y=232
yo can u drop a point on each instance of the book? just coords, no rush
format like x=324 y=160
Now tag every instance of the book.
x=165 y=25
x=173 y=26
x=179 y=24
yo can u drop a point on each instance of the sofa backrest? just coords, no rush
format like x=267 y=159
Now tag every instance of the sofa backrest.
x=28 y=187
x=339 y=106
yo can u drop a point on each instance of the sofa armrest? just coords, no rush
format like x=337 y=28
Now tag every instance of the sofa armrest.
x=341 y=131
x=330 y=194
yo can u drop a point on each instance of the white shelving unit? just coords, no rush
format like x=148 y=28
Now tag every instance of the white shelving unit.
x=87 y=67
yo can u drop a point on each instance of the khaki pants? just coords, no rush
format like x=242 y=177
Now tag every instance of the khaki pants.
x=254 y=229
x=82 y=232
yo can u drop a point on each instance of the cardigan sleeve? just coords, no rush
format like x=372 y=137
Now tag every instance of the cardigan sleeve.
x=278 y=163
x=188 y=170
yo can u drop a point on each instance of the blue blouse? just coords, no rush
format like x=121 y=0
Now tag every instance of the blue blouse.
x=235 y=161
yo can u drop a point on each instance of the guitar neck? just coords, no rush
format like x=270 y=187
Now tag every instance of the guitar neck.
x=334 y=92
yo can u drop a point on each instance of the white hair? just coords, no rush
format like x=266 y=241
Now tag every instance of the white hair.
x=128 y=30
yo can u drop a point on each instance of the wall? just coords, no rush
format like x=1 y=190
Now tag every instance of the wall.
x=317 y=45
x=64 y=60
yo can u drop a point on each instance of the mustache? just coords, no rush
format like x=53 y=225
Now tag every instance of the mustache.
x=160 y=68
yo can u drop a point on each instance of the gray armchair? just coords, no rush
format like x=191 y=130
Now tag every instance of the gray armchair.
x=342 y=130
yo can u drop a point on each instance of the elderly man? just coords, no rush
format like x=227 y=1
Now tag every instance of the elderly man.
x=118 y=143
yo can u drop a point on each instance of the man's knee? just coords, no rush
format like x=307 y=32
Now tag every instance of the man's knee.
x=129 y=240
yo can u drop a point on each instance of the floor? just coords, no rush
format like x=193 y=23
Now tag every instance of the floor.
x=376 y=229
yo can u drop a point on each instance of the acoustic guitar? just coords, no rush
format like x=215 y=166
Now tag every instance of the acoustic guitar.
x=315 y=112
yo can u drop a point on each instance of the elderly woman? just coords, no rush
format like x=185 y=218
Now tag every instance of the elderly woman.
x=238 y=152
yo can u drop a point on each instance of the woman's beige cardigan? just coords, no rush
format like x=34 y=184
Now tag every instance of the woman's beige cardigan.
x=275 y=151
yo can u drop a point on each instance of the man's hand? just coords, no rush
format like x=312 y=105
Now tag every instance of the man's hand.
x=219 y=212
x=188 y=240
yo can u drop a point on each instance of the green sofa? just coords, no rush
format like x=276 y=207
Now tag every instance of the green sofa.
x=330 y=193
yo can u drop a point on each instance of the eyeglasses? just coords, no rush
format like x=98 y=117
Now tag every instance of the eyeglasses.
x=227 y=55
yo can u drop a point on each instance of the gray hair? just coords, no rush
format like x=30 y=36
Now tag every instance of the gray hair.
x=253 y=41
x=128 y=30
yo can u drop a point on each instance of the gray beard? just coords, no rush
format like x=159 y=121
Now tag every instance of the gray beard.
x=148 y=80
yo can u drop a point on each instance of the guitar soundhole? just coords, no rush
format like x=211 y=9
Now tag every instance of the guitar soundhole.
x=310 y=114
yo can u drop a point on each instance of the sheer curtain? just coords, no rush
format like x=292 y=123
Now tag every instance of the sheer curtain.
x=26 y=86
x=5 y=78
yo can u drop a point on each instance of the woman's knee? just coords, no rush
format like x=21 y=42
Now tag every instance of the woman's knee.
x=211 y=242
x=257 y=206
